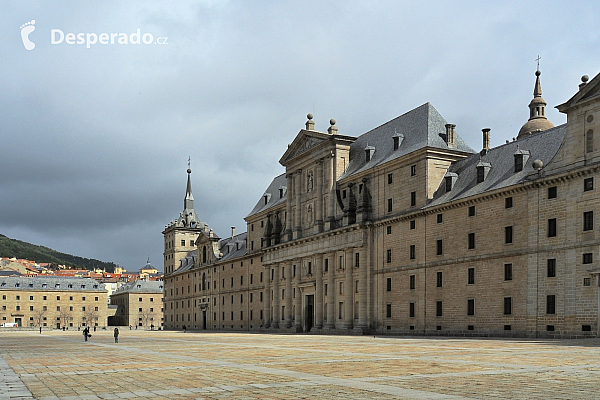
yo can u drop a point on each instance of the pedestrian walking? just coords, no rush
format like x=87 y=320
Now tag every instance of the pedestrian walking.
x=85 y=333
x=184 y=329
x=40 y=330
x=116 y=335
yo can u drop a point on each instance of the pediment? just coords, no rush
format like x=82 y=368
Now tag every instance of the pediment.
x=304 y=141
x=591 y=90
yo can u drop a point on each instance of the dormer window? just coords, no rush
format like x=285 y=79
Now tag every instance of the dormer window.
x=282 y=190
x=95 y=286
x=70 y=286
x=482 y=170
x=83 y=286
x=449 y=180
x=44 y=285
x=57 y=286
x=369 y=151
x=398 y=138
x=30 y=285
x=267 y=197
x=521 y=157
x=17 y=284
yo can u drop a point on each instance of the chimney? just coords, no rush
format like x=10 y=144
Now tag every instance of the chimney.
x=450 y=135
x=332 y=130
x=232 y=231
x=310 y=124
x=486 y=140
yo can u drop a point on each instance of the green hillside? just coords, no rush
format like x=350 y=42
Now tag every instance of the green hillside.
x=40 y=254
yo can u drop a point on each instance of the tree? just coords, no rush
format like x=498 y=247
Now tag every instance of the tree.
x=147 y=317
x=38 y=317
x=65 y=317
x=90 y=316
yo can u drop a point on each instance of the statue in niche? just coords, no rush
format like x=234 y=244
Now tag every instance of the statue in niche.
x=309 y=215
x=310 y=182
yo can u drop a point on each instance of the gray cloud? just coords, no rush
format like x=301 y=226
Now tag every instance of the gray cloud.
x=95 y=141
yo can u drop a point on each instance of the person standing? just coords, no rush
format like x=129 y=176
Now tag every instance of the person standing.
x=40 y=329
x=116 y=335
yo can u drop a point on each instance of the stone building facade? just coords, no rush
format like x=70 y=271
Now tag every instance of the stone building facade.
x=139 y=303
x=406 y=229
x=53 y=302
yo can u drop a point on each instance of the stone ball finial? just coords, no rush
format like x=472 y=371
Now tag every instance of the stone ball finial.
x=309 y=116
x=189 y=171
x=585 y=78
x=537 y=164
x=538 y=72
x=332 y=121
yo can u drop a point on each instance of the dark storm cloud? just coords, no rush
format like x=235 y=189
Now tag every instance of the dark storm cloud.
x=95 y=141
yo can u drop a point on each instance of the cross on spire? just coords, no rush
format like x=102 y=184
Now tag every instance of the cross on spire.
x=538 y=61
x=189 y=161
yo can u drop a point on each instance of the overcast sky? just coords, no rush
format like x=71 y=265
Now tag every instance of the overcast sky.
x=95 y=141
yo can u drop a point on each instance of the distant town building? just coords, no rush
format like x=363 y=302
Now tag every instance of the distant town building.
x=139 y=303
x=53 y=302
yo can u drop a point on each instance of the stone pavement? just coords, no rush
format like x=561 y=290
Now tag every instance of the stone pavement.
x=174 y=365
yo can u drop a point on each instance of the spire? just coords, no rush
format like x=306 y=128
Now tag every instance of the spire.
x=188 y=202
x=537 y=121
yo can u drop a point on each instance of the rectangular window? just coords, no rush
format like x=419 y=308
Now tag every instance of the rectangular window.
x=413 y=199
x=448 y=183
x=552 y=227
x=389 y=205
x=587 y=281
x=413 y=224
x=182 y=242
x=440 y=218
x=439 y=279
x=507 y=305
x=390 y=179
x=550 y=304
x=413 y=252
x=588 y=184
x=471 y=211
x=389 y=256
x=413 y=281
x=471 y=276
x=552 y=192
x=588 y=258
x=551 y=267
x=471 y=240
x=388 y=311
x=411 y=310
x=438 y=308
x=341 y=287
x=588 y=220
x=389 y=284
x=471 y=307
x=508 y=272
x=413 y=170
x=508 y=234
x=508 y=202
x=341 y=310
x=389 y=229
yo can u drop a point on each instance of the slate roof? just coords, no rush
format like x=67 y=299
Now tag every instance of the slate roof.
x=48 y=283
x=421 y=127
x=233 y=247
x=542 y=146
x=273 y=190
x=142 y=286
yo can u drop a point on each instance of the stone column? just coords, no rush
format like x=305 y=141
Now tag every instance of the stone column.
x=298 y=201
x=289 y=218
x=362 y=290
x=319 y=260
x=276 y=297
x=348 y=290
x=267 y=319
x=288 y=295
x=320 y=182
x=298 y=298
x=331 y=188
x=331 y=291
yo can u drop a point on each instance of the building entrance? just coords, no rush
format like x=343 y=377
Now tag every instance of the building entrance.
x=203 y=319
x=309 y=313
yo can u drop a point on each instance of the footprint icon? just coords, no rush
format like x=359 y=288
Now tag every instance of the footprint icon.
x=26 y=29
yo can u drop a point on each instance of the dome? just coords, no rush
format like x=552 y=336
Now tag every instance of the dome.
x=535 y=125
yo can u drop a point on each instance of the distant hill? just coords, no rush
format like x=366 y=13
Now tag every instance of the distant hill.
x=40 y=254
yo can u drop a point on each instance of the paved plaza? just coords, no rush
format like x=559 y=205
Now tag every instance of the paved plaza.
x=177 y=365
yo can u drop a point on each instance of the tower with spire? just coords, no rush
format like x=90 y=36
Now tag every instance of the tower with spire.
x=180 y=234
x=537 y=111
